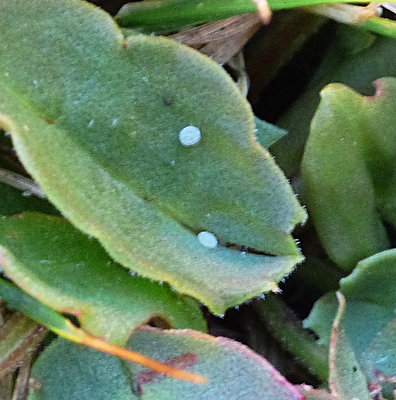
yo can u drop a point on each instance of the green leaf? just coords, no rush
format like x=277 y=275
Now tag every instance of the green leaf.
x=65 y=371
x=167 y=15
x=349 y=173
x=248 y=375
x=362 y=317
x=383 y=26
x=356 y=58
x=357 y=16
x=37 y=311
x=381 y=354
x=71 y=273
x=14 y=201
x=370 y=318
x=373 y=280
x=267 y=134
x=46 y=316
x=283 y=325
x=346 y=379
x=95 y=119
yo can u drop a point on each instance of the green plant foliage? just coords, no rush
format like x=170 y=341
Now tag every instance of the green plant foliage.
x=157 y=196
x=29 y=306
x=283 y=324
x=167 y=15
x=221 y=360
x=13 y=201
x=95 y=119
x=356 y=58
x=370 y=318
x=248 y=375
x=66 y=270
x=383 y=26
x=268 y=134
x=349 y=173
x=62 y=326
x=381 y=354
x=66 y=371
x=347 y=381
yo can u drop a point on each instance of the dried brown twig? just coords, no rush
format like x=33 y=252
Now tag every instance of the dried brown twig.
x=221 y=40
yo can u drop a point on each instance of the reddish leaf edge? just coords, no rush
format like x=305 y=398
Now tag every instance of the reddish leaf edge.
x=224 y=342
x=57 y=323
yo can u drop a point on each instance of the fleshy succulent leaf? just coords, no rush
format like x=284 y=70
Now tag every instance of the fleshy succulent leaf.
x=60 y=325
x=70 y=272
x=369 y=320
x=349 y=173
x=356 y=59
x=346 y=380
x=95 y=118
x=247 y=375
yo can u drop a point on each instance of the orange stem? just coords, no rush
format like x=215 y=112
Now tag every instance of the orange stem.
x=99 y=344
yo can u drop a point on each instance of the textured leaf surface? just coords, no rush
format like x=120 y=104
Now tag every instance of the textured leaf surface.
x=29 y=306
x=373 y=280
x=167 y=15
x=380 y=357
x=247 y=375
x=60 y=325
x=96 y=118
x=346 y=380
x=268 y=134
x=356 y=59
x=66 y=270
x=349 y=172
x=66 y=371
x=13 y=201
x=370 y=317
